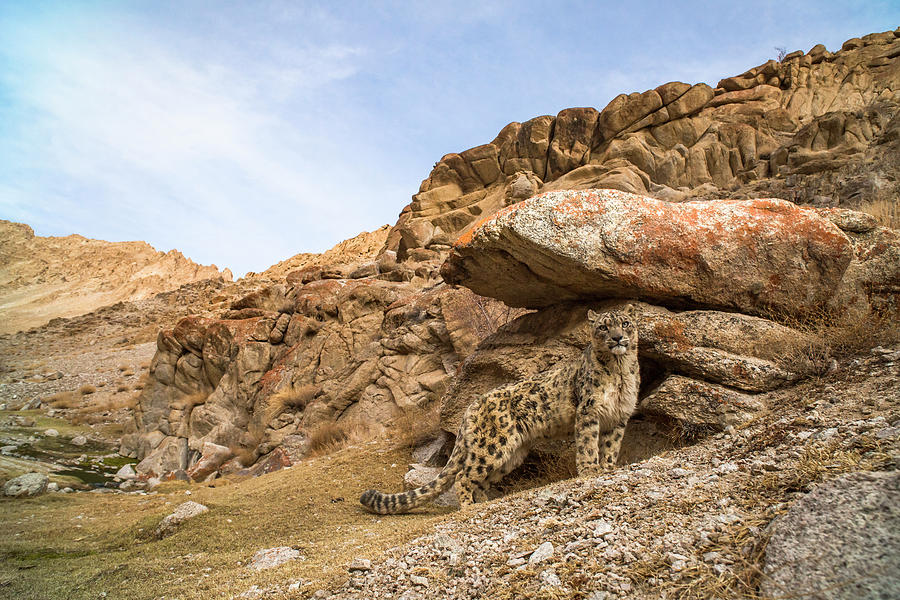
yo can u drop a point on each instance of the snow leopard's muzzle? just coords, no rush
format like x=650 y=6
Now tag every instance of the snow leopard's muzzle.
x=617 y=341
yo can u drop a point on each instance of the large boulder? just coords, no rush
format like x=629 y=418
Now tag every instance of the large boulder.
x=753 y=256
x=841 y=541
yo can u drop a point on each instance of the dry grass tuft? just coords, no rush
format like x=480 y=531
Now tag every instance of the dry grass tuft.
x=188 y=403
x=826 y=336
x=97 y=411
x=886 y=211
x=124 y=367
x=63 y=400
x=332 y=436
x=416 y=426
x=121 y=388
x=291 y=398
x=86 y=389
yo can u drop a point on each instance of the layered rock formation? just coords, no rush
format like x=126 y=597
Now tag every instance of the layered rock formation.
x=42 y=278
x=800 y=130
x=361 y=248
x=370 y=336
x=289 y=358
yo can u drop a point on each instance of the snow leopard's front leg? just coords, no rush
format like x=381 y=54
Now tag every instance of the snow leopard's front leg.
x=610 y=443
x=587 y=431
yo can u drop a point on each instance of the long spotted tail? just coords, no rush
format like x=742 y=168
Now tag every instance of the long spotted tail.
x=391 y=504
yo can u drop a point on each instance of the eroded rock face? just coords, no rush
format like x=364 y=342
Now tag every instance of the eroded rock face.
x=800 y=130
x=754 y=256
x=704 y=367
x=289 y=357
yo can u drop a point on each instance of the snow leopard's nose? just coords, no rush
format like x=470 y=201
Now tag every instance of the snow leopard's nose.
x=616 y=336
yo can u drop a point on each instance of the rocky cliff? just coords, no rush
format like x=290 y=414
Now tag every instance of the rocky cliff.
x=371 y=337
x=818 y=127
x=42 y=278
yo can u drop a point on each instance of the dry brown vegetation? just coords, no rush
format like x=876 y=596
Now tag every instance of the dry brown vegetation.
x=63 y=400
x=86 y=389
x=291 y=398
x=189 y=402
x=416 y=426
x=97 y=410
x=827 y=336
x=886 y=211
x=490 y=314
x=327 y=438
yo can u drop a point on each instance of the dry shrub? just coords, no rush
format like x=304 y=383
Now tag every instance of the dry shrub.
x=63 y=400
x=86 y=389
x=295 y=398
x=145 y=366
x=244 y=455
x=96 y=411
x=124 y=368
x=886 y=211
x=332 y=436
x=416 y=426
x=827 y=336
x=121 y=388
x=189 y=402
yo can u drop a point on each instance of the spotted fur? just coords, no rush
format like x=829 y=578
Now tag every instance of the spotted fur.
x=595 y=395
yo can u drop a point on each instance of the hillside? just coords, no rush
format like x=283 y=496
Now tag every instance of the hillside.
x=752 y=226
x=42 y=278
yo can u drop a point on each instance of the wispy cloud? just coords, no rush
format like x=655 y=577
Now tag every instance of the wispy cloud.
x=242 y=133
x=200 y=148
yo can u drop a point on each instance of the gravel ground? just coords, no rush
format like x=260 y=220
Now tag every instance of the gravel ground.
x=689 y=523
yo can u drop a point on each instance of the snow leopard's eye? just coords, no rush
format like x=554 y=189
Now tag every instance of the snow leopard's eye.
x=626 y=324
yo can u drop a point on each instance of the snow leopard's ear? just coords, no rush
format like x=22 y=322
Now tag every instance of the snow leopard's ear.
x=629 y=309
x=592 y=316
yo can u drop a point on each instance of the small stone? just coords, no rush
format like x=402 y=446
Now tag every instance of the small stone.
x=184 y=511
x=8 y=449
x=827 y=434
x=126 y=472
x=678 y=472
x=360 y=564
x=272 y=557
x=888 y=433
x=550 y=578
x=418 y=580
x=598 y=595
x=51 y=433
x=27 y=485
x=542 y=553
x=79 y=440
x=52 y=487
x=601 y=527
x=728 y=467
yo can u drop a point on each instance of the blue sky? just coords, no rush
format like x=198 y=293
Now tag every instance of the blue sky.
x=242 y=133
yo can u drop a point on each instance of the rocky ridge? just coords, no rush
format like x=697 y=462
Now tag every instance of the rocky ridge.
x=800 y=130
x=42 y=278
